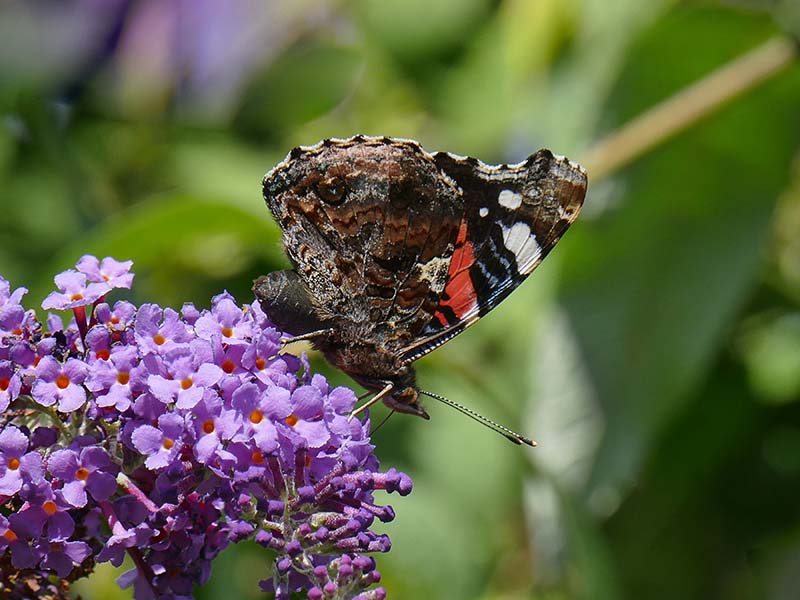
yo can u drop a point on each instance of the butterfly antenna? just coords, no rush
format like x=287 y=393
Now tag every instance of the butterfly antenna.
x=381 y=424
x=507 y=433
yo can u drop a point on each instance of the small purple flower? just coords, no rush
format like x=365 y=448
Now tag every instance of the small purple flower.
x=306 y=415
x=10 y=384
x=190 y=373
x=229 y=356
x=161 y=444
x=129 y=529
x=258 y=409
x=43 y=512
x=88 y=471
x=225 y=319
x=213 y=426
x=159 y=330
x=62 y=556
x=12 y=314
x=74 y=292
x=60 y=383
x=190 y=313
x=114 y=381
x=261 y=358
x=118 y=319
x=22 y=556
x=111 y=272
x=17 y=465
x=9 y=297
x=98 y=344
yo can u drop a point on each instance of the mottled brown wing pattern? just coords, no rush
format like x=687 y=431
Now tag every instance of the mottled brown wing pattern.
x=514 y=216
x=369 y=225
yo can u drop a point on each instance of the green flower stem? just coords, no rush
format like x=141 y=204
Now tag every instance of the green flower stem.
x=30 y=404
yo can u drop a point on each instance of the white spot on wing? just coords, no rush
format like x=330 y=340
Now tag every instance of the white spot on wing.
x=483 y=211
x=510 y=199
x=519 y=240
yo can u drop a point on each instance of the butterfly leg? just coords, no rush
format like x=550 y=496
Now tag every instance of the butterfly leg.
x=386 y=390
x=306 y=336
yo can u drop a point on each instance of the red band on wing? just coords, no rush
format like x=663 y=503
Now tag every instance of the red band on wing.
x=459 y=293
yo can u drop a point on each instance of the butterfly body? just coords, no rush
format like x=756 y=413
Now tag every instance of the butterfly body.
x=396 y=250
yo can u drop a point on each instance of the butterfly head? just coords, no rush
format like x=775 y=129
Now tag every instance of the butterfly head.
x=405 y=399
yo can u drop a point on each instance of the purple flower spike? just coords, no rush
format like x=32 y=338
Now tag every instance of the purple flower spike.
x=176 y=435
x=88 y=471
x=111 y=272
x=74 y=291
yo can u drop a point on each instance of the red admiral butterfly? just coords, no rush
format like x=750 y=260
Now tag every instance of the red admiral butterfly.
x=396 y=251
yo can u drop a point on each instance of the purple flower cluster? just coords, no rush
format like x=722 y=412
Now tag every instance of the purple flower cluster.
x=167 y=436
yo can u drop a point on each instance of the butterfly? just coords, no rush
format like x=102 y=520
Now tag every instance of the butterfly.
x=396 y=250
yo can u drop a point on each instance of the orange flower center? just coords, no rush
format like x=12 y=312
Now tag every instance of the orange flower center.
x=291 y=420
x=13 y=464
x=228 y=366
x=4 y=383
x=114 y=320
x=50 y=507
x=159 y=339
x=208 y=426
x=62 y=381
x=261 y=363
x=186 y=383
x=82 y=474
x=76 y=297
x=17 y=331
x=123 y=377
x=103 y=354
x=257 y=457
x=168 y=443
x=227 y=331
x=256 y=416
x=10 y=535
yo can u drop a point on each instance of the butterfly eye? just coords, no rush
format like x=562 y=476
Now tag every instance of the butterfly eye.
x=332 y=190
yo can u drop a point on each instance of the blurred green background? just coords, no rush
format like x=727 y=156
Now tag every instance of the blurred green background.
x=655 y=355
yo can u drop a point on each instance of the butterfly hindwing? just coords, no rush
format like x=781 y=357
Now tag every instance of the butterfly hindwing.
x=368 y=224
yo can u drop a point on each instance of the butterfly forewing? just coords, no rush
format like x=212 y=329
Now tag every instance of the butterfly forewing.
x=513 y=216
